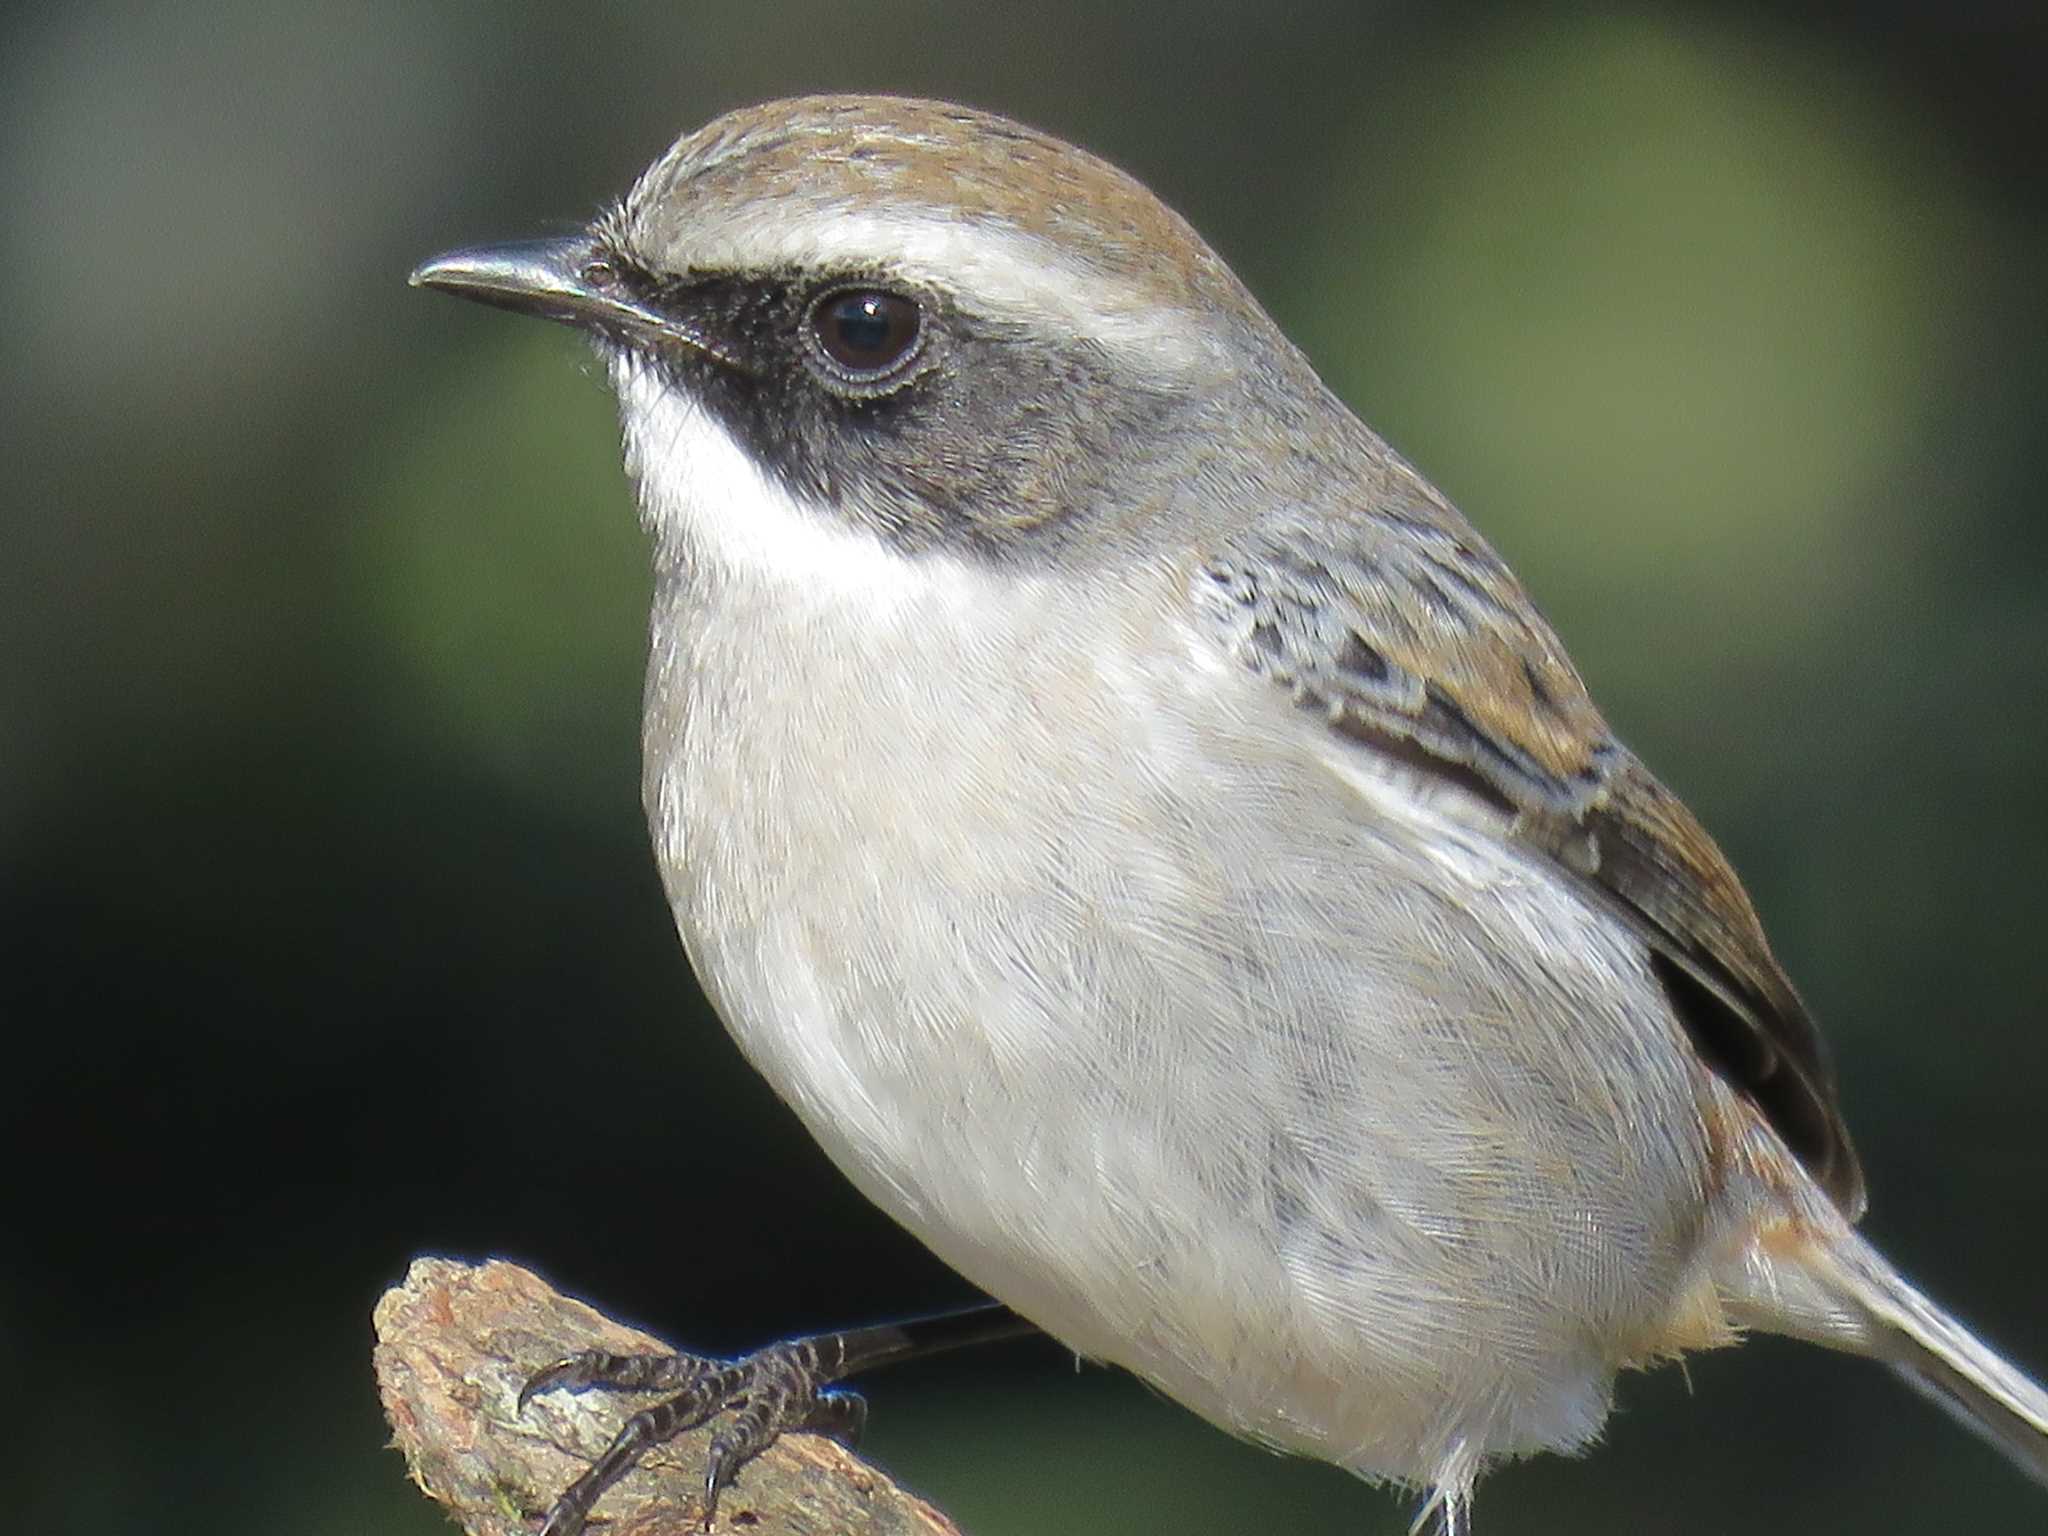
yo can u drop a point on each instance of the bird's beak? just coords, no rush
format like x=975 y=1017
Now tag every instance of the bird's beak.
x=567 y=280
x=534 y=277
x=571 y=280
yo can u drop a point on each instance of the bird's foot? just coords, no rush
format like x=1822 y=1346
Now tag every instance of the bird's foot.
x=769 y=1393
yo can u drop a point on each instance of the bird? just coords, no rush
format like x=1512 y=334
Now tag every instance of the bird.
x=1158 y=848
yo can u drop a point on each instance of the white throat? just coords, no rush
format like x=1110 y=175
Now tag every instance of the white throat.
x=701 y=492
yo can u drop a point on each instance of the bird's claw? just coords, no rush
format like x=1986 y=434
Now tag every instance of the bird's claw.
x=771 y=1392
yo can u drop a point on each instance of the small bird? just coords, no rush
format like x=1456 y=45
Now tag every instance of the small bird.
x=1157 y=847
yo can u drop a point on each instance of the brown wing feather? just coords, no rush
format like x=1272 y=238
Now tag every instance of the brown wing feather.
x=1654 y=858
x=1412 y=636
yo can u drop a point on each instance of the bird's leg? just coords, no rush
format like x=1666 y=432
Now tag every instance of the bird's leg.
x=771 y=1392
x=1446 y=1512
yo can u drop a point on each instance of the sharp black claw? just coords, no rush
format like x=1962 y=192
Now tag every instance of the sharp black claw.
x=545 y=1379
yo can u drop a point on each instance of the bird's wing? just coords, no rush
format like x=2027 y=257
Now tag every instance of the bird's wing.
x=1414 y=639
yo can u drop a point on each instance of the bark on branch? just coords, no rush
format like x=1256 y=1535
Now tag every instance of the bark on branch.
x=455 y=1342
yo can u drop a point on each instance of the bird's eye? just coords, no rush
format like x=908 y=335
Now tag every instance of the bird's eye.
x=867 y=334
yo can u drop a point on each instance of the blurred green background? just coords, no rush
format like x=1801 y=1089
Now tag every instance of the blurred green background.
x=329 y=931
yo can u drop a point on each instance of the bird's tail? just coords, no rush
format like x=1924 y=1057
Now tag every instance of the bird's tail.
x=1848 y=1296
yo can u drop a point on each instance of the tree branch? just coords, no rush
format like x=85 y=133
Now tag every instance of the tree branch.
x=455 y=1342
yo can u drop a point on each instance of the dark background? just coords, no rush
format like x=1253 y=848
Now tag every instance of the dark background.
x=330 y=935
